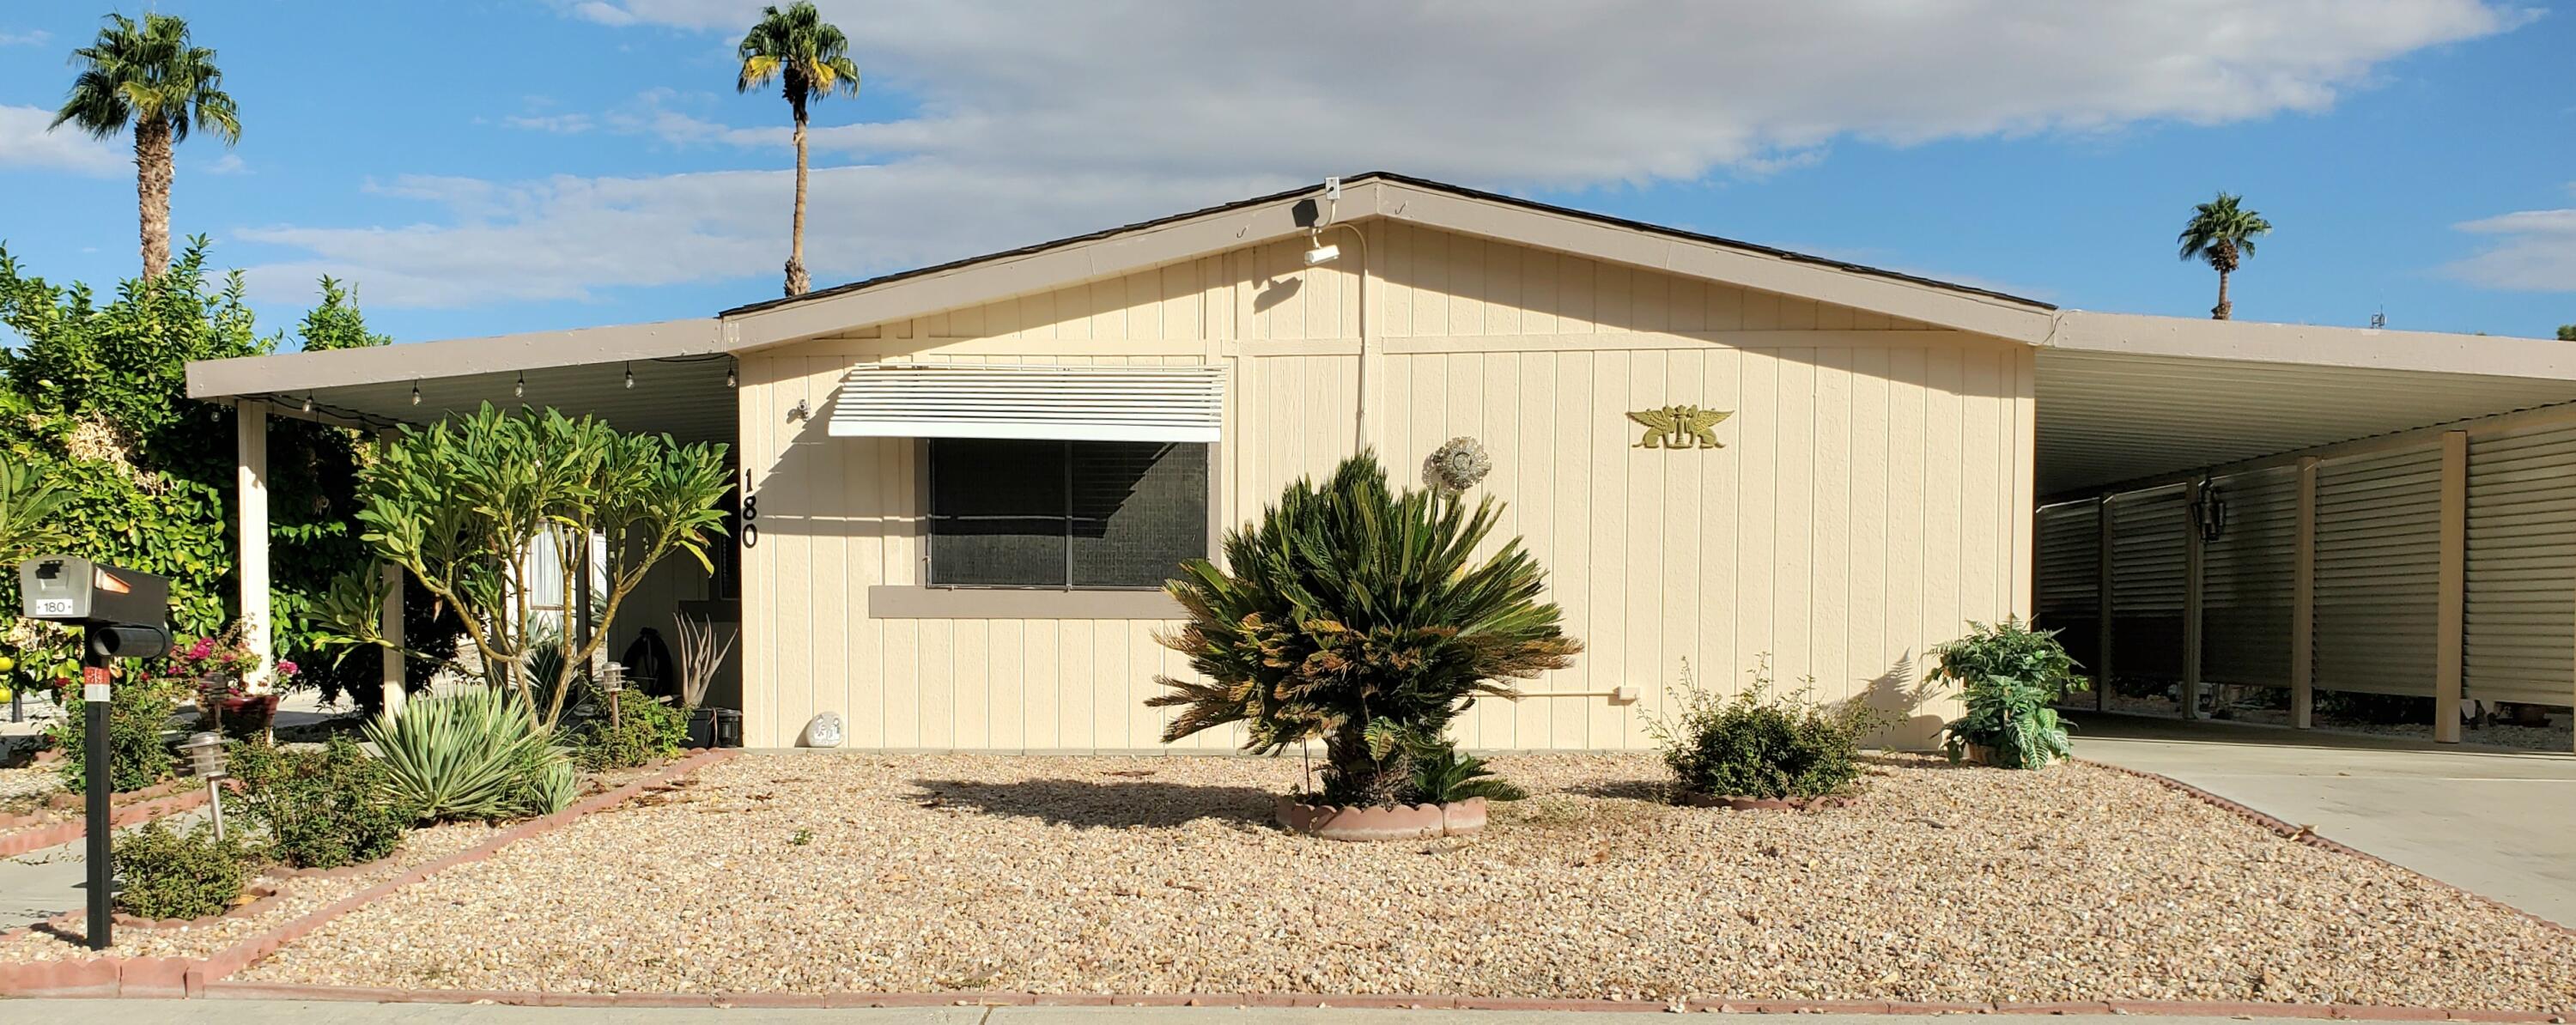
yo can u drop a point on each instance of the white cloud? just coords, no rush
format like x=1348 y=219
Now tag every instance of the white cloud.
x=2533 y=251
x=24 y=142
x=31 y=37
x=558 y=124
x=229 y=163
x=1046 y=119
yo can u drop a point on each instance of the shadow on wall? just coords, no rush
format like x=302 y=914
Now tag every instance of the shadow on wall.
x=1903 y=695
x=1088 y=804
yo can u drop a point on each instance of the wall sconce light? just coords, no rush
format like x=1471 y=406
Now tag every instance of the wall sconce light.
x=2209 y=512
x=801 y=411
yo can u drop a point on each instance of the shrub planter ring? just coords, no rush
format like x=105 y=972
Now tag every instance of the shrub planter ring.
x=1400 y=822
x=1699 y=800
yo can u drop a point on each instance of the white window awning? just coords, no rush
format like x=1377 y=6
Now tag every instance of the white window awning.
x=1062 y=403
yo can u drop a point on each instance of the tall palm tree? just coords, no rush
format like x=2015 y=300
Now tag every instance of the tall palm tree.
x=150 y=77
x=810 y=59
x=2222 y=232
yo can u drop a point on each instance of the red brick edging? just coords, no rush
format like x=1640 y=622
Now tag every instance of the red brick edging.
x=178 y=977
x=172 y=977
x=60 y=833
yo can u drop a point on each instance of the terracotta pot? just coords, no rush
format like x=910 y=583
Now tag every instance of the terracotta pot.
x=242 y=715
x=1763 y=803
x=1416 y=822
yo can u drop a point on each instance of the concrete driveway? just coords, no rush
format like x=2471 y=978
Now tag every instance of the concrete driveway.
x=2492 y=822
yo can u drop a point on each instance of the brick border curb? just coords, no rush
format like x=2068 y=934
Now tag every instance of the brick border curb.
x=188 y=977
x=1389 y=1001
x=60 y=833
x=2309 y=837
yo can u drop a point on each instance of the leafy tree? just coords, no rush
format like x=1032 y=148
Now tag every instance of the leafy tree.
x=452 y=504
x=93 y=403
x=2567 y=332
x=152 y=78
x=809 y=58
x=28 y=504
x=1364 y=617
x=2222 y=232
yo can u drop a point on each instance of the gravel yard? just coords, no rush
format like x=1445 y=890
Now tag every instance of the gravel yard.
x=852 y=872
x=300 y=896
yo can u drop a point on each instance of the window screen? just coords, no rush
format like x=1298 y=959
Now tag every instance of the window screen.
x=1078 y=514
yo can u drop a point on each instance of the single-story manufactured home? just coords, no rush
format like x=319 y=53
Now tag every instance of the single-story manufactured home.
x=961 y=485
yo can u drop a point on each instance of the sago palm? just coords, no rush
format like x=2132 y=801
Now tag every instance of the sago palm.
x=809 y=59
x=152 y=78
x=2222 y=232
x=1364 y=617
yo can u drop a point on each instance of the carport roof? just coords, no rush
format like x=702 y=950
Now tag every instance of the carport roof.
x=2121 y=398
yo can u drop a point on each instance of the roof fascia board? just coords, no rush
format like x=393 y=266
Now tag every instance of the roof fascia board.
x=1040 y=271
x=2313 y=345
x=301 y=371
x=1620 y=244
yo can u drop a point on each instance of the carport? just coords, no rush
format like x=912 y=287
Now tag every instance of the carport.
x=2309 y=508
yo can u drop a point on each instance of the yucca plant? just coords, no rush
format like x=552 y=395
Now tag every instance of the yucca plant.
x=1361 y=616
x=474 y=754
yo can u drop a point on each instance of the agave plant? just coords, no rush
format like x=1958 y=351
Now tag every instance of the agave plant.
x=474 y=754
x=1363 y=617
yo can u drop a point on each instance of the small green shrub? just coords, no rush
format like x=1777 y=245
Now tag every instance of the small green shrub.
x=137 y=756
x=1760 y=743
x=2009 y=675
x=174 y=875
x=1444 y=775
x=325 y=808
x=647 y=728
x=474 y=754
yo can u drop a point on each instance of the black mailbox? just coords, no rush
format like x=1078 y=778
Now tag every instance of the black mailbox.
x=125 y=612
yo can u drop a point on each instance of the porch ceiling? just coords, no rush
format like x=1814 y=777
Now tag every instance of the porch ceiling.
x=2126 y=399
x=685 y=398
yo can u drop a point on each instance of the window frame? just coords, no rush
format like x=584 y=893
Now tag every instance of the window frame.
x=925 y=480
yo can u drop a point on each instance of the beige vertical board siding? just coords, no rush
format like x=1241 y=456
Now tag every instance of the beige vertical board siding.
x=2248 y=578
x=2147 y=583
x=1869 y=500
x=2379 y=550
x=2522 y=566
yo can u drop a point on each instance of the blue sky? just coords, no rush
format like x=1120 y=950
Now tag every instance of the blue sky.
x=482 y=166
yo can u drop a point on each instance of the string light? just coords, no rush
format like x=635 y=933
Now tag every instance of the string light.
x=308 y=402
x=520 y=390
x=630 y=375
x=729 y=375
x=415 y=393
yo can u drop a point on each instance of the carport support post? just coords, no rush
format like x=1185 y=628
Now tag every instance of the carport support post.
x=391 y=625
x=2102 y=607
x=2453 y=612
x=2303 y=601
x=2191 y=561
x=251 y=431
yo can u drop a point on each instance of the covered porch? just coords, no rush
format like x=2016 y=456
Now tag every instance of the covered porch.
x=671 y=377
x=2284 y=511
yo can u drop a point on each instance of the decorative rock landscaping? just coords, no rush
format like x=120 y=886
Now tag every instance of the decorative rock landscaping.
x=853 y=874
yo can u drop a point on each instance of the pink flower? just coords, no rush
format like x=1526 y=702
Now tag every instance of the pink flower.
x=205 y=646
x=285 y=667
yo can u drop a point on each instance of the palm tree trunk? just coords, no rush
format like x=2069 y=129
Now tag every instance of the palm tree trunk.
x=797 y=282
x=152 y=193
x=2221 y=311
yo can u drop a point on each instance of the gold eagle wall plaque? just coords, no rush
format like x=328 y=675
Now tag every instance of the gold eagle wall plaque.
x=1680 y=427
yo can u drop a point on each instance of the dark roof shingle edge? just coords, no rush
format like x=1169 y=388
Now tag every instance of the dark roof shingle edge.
x=1460 y=190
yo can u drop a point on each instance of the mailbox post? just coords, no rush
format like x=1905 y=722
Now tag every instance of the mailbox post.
x=122 y=613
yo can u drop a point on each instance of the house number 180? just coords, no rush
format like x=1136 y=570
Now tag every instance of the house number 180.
x=750 y=512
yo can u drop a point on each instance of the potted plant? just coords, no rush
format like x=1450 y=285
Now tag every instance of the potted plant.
x=702 y=651
x=2009 y=677
x=231 y=693
x=1363 y=617
x=1760 y=748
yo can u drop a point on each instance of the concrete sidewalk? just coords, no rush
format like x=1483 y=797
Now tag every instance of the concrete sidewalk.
x=263 y=1012
x=2497 y=823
